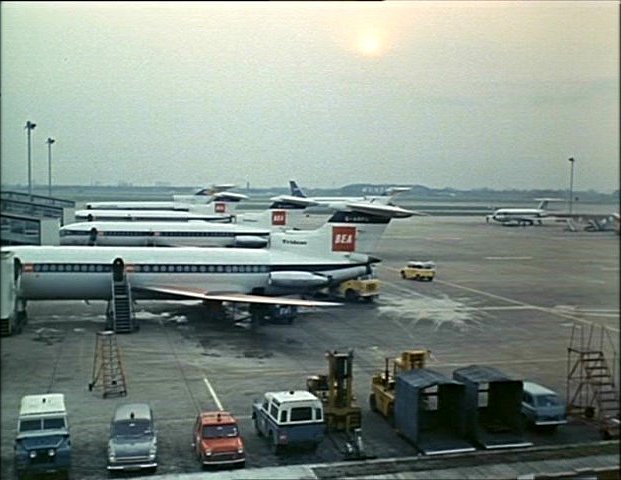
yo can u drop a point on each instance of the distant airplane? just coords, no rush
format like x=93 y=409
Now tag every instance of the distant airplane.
x=180 y=202
x=296 y=263
x=521 y=216
x=297 y=195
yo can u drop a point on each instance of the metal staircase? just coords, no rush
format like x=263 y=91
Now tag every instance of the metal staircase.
x=120 y=314
x=107 y=366
x=592 y=389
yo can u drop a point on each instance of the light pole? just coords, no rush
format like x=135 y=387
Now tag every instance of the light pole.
x=571 y=185
x=29 y=126
x=49 y=142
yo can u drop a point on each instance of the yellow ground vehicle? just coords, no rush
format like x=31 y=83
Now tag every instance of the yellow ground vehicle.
x=364 y=288
x=416 y=270
x=335 y=390
x=382 y=397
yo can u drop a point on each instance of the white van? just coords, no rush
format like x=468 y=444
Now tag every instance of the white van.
x=542 y=407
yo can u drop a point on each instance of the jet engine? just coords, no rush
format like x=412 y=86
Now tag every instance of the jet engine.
x=250 y=241
x=297 y=280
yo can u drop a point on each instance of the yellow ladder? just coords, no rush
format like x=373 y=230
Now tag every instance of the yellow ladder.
x=107 y=366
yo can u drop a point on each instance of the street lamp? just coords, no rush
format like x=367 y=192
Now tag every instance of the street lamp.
x=29 y=126
x=49 y=142
x=571 y=186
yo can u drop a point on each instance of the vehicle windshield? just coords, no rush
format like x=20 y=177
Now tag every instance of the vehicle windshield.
x=29 y=425
x=53 y=423
x=220 y=431
x=547 y=400
x=132 y=428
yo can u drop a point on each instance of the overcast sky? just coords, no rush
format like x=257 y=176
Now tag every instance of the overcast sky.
x=443 y=94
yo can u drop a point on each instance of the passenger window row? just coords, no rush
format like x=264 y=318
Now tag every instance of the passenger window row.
x=150 y=268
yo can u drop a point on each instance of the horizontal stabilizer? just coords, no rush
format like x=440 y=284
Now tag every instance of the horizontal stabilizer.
x=396 y=190
x=307 y=202
x=382 y=210
x=200 y=294
x=230 y=196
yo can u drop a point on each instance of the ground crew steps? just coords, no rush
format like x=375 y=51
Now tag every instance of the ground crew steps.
x=108 y=366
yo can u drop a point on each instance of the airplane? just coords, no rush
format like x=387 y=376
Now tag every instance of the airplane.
x=297 y=195
x=521 y=216
x=371 y=221
x=219 y=211
x=296 y=263
x=251 y=229
x=180 y=202
x=150 y=216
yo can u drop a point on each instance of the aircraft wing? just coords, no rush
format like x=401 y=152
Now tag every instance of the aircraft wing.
x=200 y=294
x=303 y=201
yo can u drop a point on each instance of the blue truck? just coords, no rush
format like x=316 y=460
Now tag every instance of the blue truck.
x=43 y=442
x=289 y=419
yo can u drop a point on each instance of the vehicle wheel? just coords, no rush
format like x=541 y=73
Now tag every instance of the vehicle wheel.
x=402 y=274
x=369 y=299
x=373 y=402
x=351 y=295
x=274 y=447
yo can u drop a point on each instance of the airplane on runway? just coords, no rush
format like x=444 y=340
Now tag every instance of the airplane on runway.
x=522 y=216
x=296 y=263
x=297 y=195
x=180 y=202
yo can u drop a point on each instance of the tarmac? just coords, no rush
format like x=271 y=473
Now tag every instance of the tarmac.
x=504 y=297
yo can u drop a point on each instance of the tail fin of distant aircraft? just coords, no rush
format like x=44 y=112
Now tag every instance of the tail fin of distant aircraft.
x=355 y=230
x=219 y=203
x=544 y=202
x=295 y=190
x=278 y=216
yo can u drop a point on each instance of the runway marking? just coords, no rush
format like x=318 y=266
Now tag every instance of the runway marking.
x=551 y=311
x=508 y=258
x=501 y=362
x=213 y=394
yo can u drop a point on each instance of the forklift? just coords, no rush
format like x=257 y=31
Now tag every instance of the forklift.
x=382 y=397
x=336 y=393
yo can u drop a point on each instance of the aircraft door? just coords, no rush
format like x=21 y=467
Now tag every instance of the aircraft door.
x=92 y=237
x=118 y=270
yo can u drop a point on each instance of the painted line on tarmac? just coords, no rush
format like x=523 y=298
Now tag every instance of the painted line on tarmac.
x=551 y=311
x=213 y=394
x=457 y=363
x=508 y=258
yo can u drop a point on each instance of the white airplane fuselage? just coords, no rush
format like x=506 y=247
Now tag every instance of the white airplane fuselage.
x=147 y=216
x=518 y=216
x=85 y=273
x=163 y=234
